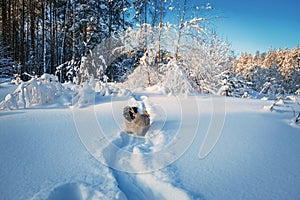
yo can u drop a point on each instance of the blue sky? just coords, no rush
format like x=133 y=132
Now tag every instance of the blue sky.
x=252 y=25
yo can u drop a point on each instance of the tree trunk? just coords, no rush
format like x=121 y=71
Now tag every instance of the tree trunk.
x=44 y=37
x=123 y=15
x=180 y=29
x=52 y=70
x=15 y=45
x=159 y=33
x=32 y=32
x=22 y=44
x=4 y=21
x=74 y=41
x=145 y=26
x=62 y=52
x=55 y=36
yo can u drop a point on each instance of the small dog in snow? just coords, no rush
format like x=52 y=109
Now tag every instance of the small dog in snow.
x=136 y=123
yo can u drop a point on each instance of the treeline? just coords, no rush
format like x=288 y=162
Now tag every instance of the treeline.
x=279 y=68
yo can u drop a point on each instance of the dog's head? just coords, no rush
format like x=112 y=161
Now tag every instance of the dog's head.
x=130 y=112
x=134 y=109
x=133 y=112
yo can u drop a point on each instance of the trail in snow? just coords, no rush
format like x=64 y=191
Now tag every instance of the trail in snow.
x=146 y=185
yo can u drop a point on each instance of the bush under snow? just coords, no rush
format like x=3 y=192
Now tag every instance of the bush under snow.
x=175 y=80
x=86 y=92
x=37 y=91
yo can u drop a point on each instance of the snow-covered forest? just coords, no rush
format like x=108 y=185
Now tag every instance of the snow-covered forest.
x=109 y=40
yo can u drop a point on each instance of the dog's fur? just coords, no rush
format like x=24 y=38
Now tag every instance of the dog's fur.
x=136 y=123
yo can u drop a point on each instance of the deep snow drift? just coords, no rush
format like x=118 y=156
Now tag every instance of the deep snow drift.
x=64 y=152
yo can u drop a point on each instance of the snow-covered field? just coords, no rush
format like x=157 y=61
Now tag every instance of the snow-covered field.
x=198 y=147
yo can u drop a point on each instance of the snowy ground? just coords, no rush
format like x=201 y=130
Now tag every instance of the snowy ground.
x=6 y=88
x=60 y=152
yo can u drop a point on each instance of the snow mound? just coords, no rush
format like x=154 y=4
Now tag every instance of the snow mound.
x=74 y=191
x=79 y=191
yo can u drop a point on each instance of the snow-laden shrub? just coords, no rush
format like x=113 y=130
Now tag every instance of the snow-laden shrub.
x=86 y=93
x=145 y=74
x=37 y=91
x=111 y=89
x=224 y=89
x=142 y=76
x=68 y=71
x=232 y=84
x=175 y=80
x=272 y=88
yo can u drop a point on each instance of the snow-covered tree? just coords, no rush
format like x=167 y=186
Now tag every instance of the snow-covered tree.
x=274 y=73
x=290 y=69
